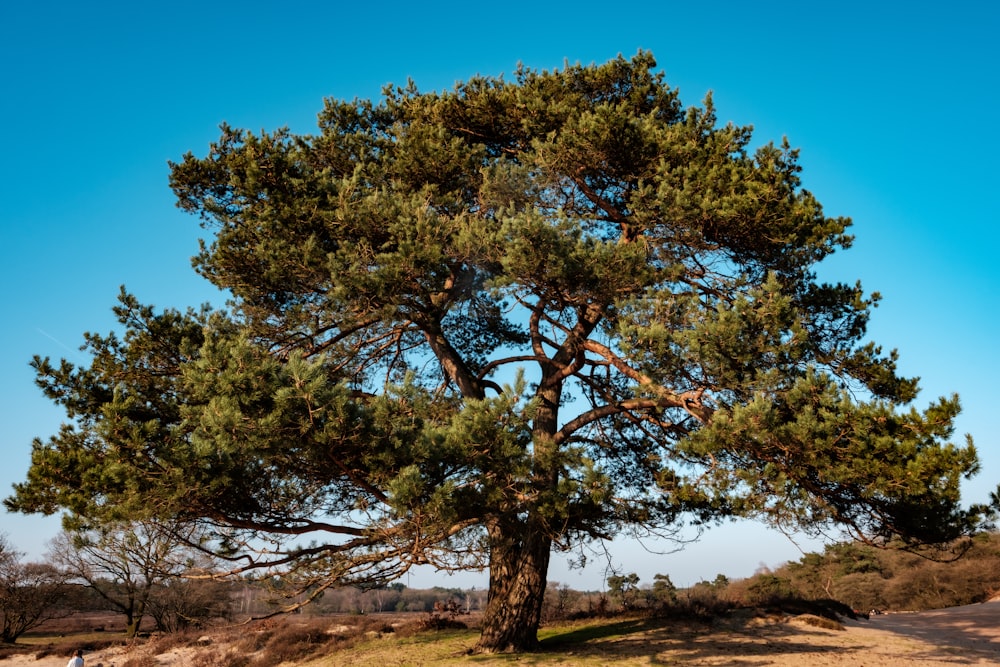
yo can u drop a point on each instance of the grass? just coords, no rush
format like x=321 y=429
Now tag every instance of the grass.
x=82 y=638
x=626 y=643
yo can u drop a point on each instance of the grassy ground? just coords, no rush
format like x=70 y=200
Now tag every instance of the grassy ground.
x=625 y=643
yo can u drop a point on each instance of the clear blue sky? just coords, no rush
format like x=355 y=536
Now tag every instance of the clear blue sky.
x=894 y=106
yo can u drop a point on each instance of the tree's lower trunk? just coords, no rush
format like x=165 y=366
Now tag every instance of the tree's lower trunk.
x=132 y=626
x=133 y=620
x=519 y=563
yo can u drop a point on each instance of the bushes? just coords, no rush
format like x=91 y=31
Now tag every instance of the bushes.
x=443 y=617
x=267 y=643
x=284 y=640
x=865 y=577
x=295 y=642
x=702 y=600
x=768 y=589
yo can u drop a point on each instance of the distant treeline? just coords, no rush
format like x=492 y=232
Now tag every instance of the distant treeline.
x=854 y=575
x=859 y=576
x=349 y=600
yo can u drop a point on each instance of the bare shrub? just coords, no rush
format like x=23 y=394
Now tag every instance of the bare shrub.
x=215 y=658
x=699 y=603
x=240 y=645
x=561 y=602
x=254 y=640
x=601 y=608
x=366 y=625
x=819 y=622
x=442 y=618
x=164 y=642
x=826 y=608
x=295 y=642
x=10 y=651
x=30 y=593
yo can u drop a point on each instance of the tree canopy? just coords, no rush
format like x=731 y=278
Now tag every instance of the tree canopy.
x=468 y=327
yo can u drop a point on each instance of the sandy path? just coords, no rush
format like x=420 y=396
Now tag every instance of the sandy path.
x=968 y=635
x=960 y=635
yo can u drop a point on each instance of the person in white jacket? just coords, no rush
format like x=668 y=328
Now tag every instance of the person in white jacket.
x=76 y=660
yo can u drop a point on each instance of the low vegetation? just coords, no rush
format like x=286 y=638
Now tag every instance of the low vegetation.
x=819 y=591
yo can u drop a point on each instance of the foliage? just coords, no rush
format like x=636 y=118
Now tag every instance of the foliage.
x=864 y=577
x=624 y=589
x=664 y=590
x=468 y=327
x=767 y=589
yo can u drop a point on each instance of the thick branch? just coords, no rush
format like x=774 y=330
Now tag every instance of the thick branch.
x=627 y=406
x=453 y=364
x=691 y=401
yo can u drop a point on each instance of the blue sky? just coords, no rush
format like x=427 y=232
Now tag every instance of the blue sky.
x=893 y=106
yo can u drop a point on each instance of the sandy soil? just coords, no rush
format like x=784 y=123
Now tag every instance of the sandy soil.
x=967 y=635
x=961 y=635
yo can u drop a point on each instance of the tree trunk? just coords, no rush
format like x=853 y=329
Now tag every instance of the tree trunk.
x=519 y=563
x=520 y=547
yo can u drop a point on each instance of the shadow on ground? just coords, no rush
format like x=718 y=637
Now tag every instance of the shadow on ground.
x=749 y=641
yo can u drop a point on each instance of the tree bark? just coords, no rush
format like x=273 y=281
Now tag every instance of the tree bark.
x=520 y=548
x=519 y=563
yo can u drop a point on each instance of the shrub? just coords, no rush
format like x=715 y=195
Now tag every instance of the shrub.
x=215 y=658
x=700 y=602
x=766 y=589
x=295 y=642
x=820 y=622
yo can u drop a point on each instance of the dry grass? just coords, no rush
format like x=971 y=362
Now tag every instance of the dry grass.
x=625 y=642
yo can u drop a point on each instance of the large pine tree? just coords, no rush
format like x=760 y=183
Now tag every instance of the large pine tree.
x=473 y=326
